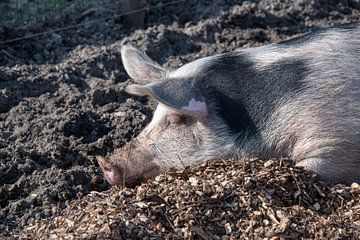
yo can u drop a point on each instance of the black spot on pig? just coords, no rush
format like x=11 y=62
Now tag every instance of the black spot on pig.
x=235 y=115
x=236 y=85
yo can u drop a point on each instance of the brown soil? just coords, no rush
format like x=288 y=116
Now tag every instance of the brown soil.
x=62 y=102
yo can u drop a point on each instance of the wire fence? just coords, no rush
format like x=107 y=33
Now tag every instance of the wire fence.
x=24 y=11
x=131 y=8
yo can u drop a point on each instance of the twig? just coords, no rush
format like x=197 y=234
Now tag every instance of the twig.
x=187 y=175
x=200 y=230
x=7 y=54
x=297 y=184
x=158 y=199
x=167 y=218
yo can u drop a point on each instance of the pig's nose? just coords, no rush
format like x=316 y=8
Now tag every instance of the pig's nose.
x=114 y=174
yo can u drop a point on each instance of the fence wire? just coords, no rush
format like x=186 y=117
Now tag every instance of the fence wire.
x=145 y=8
x=24 y=11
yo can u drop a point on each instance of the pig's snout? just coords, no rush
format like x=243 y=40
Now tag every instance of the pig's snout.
x=114 y=174
x=129 y=165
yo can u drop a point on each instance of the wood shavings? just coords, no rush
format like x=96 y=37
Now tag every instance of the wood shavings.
x=271 y=200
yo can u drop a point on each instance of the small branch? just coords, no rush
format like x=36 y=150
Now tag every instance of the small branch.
x=6 y=53
x=187 y=175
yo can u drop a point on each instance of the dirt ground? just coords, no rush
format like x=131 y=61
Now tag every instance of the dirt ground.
x=62 y=100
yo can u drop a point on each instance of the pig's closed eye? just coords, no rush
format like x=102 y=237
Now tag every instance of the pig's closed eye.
x=175 y=119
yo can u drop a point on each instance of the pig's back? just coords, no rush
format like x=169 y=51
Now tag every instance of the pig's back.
x=323 y=119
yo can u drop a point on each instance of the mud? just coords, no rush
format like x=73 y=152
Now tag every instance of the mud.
x=61 y=94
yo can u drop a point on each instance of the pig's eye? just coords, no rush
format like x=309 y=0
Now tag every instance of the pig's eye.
x=175 y=119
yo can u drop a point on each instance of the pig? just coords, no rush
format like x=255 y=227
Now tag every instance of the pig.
x=298 y=98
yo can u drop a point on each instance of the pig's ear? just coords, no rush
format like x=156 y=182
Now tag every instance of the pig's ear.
x=139 y=66
x=179 y=94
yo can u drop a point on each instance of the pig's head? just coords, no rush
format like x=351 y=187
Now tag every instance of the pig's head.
x=186 y=128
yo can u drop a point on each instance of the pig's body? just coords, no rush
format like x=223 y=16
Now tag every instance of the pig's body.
x=299 y=98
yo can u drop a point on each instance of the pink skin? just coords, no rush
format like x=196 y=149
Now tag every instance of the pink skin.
x=196 y=106
x=111 y=172
x=130 y=164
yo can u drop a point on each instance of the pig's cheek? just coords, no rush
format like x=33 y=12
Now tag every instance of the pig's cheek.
x=150 y=142
x=152 y=172
x=146 y=138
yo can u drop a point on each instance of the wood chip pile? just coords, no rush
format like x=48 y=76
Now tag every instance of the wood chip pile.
x=232 y=199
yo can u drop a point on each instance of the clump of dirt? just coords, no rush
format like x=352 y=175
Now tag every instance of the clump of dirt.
x=61 y=94
x=229 y=199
